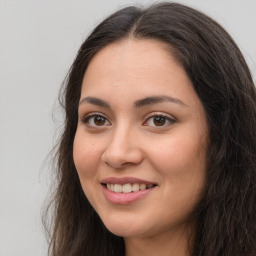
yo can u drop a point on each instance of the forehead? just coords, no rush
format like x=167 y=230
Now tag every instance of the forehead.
x=132 y=55
x=136 y=68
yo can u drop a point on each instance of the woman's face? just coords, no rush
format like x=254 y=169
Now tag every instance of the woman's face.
x=141 y=139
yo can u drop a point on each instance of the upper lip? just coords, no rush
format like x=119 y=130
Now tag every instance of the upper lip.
x=125 y=180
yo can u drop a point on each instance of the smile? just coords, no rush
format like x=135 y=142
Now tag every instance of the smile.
x=128 y=188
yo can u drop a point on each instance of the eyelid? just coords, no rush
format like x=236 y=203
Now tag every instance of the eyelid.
x=152 y=114
x=94 y=114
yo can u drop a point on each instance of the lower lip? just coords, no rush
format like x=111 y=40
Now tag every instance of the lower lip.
x=125 y=198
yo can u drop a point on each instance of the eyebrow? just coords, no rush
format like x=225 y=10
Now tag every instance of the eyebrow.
x=95 y=101
x=156 y=99
x=137 y=104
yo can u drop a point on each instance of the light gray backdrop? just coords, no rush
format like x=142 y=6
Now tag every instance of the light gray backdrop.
x=38 y=41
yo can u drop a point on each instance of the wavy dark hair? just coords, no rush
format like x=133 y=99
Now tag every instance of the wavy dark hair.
x=226 y=213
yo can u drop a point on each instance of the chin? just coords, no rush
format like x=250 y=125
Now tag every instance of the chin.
x=123 y=228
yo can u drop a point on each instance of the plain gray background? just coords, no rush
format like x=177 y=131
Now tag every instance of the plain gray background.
x=38 y=41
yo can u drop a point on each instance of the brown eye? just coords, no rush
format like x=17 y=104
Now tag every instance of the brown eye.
x=159 y=120
x=96 y=120
x=99 y=120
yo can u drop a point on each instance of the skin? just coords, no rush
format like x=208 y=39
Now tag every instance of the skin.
x=129 y=142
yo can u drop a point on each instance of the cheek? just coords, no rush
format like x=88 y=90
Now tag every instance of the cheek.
x=182 y=168
x=180 y=161
x=173 y=152
x=86 y=156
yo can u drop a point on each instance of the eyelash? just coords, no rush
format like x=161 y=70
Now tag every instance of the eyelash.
x=92 y=116
x=86 y=119
x=166 y=118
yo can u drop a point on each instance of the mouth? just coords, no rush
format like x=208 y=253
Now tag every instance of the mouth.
x=126 y=190
x=128 y=187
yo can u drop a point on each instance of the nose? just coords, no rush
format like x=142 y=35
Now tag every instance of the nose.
x=123 y=149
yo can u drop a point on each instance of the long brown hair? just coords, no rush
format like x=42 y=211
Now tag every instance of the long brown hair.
x=222 y=81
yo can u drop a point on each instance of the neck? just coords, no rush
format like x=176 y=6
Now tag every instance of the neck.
x=173 y=244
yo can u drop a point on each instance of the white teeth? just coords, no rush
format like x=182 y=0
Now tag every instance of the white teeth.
x=127 y=188
x=118 y=188
x=142 y=186
x=135 y=187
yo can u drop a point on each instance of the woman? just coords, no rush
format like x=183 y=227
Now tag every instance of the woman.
x=158 y=152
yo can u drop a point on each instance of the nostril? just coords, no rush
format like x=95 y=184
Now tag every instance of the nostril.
x=120 y=154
